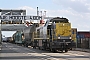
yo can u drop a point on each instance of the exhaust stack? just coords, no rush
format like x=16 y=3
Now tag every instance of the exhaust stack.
x=37 y=12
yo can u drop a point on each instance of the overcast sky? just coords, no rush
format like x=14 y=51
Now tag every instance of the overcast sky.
x=77 y=11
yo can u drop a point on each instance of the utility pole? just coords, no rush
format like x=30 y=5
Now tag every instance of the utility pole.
x=37 y=12
x=45 y=13
x=41 y=13
x=0 y=30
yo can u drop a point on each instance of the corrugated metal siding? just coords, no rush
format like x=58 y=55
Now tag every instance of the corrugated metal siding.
x=87 y=35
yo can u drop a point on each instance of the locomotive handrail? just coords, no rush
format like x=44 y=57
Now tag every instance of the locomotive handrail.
x=38 y=35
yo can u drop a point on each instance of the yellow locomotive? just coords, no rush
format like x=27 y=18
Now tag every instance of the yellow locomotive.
x=55 y=35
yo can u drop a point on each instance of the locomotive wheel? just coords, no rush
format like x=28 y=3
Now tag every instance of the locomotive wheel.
x=54 y=51
x=62 y=51
x=26 y=45
x=66 y=50
x=34 y=47
x=50 y=49
x=39 y=48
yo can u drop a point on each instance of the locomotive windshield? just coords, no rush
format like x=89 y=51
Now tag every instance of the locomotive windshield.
x=58 y=19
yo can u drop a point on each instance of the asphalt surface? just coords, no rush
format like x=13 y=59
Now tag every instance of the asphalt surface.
x=14 y=52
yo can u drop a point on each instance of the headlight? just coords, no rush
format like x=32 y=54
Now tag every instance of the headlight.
x=70 y=37
x=58 y=37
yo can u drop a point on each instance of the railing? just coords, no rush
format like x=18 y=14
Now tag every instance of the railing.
x=40 y=35
x=50 y=34
x=12 y=23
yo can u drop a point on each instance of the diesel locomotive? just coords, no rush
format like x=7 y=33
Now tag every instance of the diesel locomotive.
x=55 y=35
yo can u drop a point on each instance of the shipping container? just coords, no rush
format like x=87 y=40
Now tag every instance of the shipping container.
x=89 y=43
x=79 y=40
x=83 y=39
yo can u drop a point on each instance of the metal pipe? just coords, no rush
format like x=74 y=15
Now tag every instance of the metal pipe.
x=45 y=13
x=37 y=11
x=41 y=13
x=0 y=33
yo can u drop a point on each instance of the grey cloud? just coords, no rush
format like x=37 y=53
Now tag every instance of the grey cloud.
x=75 y=5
